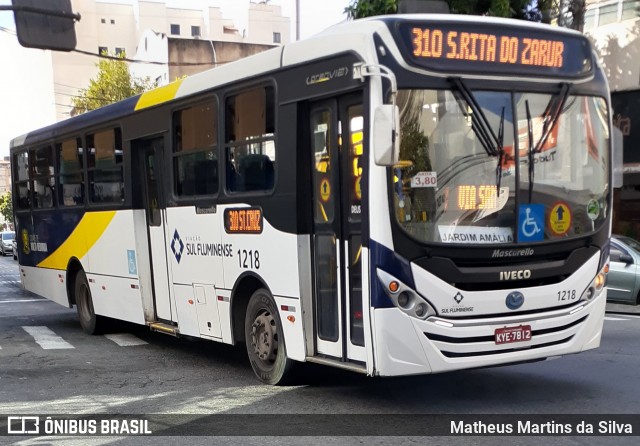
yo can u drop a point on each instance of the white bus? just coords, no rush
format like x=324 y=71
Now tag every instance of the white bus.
x=400 y=195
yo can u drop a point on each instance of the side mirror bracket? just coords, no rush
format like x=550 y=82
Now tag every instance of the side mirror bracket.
x=386 y=117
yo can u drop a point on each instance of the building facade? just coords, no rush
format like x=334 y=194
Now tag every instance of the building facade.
x=614 y=28
x=142 y=29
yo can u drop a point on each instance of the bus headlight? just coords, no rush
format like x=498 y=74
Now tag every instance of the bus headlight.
x=597 y=284
x=404 y=297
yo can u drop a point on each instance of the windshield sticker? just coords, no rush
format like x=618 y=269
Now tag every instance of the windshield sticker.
x=560 y=218
x=475 y=234
x=531 y=223
x=593 y=209
x=325 y=190
x=425 y=179
x=358 y=188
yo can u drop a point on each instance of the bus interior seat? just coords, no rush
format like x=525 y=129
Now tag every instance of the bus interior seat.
x=256 y=171
x=206 y=177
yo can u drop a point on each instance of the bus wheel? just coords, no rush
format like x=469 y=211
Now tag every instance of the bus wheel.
x=91 y=324
x=264 y=339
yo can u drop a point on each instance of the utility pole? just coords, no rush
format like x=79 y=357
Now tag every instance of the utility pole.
x=297 y=19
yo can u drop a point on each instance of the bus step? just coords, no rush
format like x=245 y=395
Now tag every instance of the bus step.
x=352 y=367
x=164 y=328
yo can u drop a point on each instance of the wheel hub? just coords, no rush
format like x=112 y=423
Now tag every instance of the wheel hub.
x=264 y=337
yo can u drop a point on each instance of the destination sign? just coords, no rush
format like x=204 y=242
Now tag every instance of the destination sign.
x=470 y=47
x=243 y=220
x=471 y=197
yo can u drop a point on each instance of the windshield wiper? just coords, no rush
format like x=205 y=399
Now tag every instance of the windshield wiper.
x=550 y=118
x=500 y=150
x=530 y=148
x=479 y=122
x=493 y=145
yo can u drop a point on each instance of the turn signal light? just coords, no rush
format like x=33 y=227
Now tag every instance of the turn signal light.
x=606 y=269
x=394 y=286
x=599 y=281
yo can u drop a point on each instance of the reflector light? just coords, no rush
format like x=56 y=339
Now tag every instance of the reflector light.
x=357 y=315
x=291 y=318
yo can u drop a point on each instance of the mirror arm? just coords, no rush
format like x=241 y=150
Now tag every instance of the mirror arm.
x=362 y=70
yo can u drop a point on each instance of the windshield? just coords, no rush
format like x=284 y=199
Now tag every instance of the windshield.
x=8 y=236
x=464 y=178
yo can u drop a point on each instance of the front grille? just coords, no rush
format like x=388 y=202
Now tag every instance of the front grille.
x=476 y=274
x=502 y=352
x=468 y=340
x=506 y=285
x=456 y=345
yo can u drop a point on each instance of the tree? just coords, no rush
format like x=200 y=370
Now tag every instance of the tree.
x=499 y=8
x=113 y=83
x=358 y=9
x=6 y=208
x=567 y=13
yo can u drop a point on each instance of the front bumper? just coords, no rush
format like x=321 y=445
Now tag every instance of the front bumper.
x=407 y=345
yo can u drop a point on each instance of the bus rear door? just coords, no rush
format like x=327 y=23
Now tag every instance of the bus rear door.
x=149 y=172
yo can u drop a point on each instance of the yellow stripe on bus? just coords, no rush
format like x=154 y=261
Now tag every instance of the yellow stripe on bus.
x=84 y=236
x=158 y=95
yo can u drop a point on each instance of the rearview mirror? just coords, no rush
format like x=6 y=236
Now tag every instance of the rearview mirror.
x=626 y=258
x=45 y=25
x=386 y=143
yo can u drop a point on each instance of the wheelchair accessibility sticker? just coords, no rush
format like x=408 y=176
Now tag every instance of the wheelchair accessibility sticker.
x=531 y=223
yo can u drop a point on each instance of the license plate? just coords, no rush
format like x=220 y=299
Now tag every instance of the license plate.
x=508 y=335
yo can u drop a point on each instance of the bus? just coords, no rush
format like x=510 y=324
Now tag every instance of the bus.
x=399 y=195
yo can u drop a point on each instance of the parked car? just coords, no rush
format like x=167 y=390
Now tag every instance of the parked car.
x=14 y=247
x=6 y=238
x=623 y=280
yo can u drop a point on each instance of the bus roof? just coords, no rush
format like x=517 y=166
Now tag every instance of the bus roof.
x=344 y=37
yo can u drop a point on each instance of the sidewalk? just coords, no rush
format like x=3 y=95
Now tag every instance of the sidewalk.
x=622 y=308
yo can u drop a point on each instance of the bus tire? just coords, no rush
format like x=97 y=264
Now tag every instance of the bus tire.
x=89 y=321
x=265 y=341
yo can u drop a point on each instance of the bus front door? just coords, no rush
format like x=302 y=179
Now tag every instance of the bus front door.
x=337 y=166
x=149 y=172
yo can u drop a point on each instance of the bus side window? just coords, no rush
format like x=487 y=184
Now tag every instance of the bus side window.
x=105 y=162
x=43 y=178
x=70 y=172
x=195 y=150
x=250 y=141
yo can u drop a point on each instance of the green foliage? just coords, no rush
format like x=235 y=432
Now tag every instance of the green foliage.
x=413 y=141
x=358 y=9
x=112 y=84
x=6 y=207
x=499 y=8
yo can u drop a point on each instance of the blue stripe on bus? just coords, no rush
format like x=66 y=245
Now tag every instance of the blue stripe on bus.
x=47 y=232
x=390 y=262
